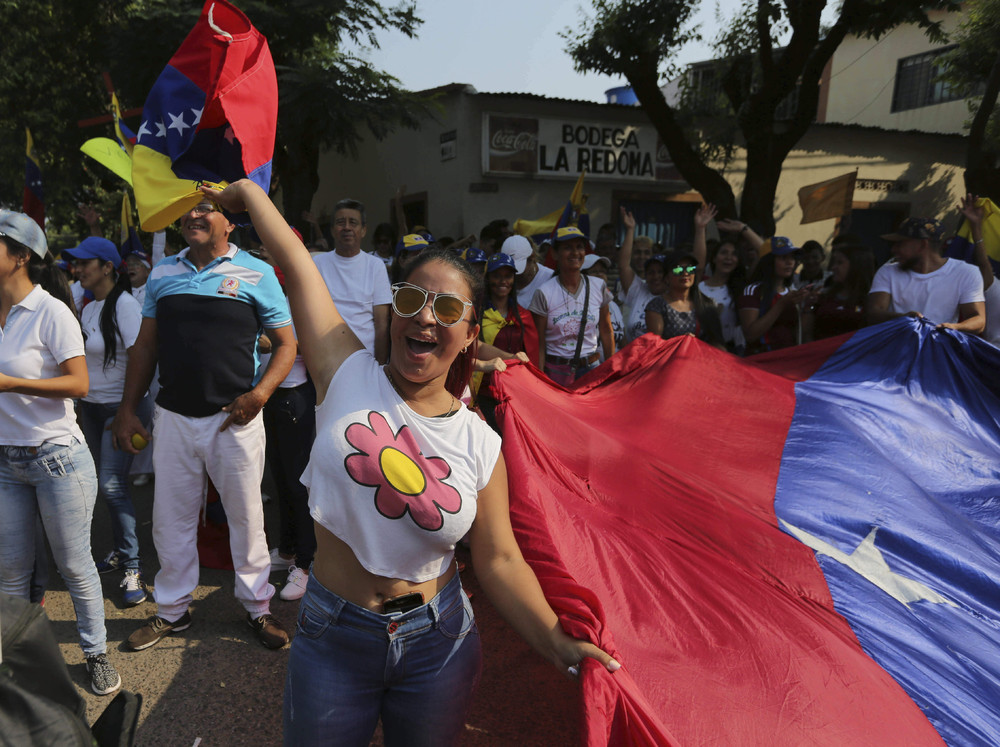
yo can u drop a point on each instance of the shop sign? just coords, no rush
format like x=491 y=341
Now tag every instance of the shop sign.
x=567 y=147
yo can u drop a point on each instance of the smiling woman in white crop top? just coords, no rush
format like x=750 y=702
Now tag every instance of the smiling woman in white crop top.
x=400 y=471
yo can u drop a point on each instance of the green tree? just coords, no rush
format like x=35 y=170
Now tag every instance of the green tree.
x=974 y=68
x=638 y=39
x=328 y=98
x=51 y=59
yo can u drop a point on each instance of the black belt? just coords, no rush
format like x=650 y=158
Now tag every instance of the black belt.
x=592 y=358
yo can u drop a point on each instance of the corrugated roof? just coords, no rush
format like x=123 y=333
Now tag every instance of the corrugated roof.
x=470 y=89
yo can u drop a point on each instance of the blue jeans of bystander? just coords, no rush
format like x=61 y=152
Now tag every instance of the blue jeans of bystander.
x=113 y=466
x=60 y=484
x=349 y=666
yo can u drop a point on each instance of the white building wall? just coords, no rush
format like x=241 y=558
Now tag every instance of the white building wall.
x=862 y=80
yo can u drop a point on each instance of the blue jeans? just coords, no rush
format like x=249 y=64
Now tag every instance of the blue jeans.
x=60 y=483
x=112 y=475
x=348 y=666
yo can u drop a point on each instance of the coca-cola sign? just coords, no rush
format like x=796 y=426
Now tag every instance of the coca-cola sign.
x=513 y=144
x=508 y=142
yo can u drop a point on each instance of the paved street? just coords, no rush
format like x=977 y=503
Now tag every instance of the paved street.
x=215 y=682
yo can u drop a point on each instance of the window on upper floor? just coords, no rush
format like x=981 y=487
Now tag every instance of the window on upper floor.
x=919 y=82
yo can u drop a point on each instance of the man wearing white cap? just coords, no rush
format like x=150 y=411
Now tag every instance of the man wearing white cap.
x=530 y=275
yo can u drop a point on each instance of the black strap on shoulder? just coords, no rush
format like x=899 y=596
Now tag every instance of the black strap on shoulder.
x=583 y=320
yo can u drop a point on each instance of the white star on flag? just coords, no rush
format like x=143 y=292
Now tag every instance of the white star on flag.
x=197 y=116
x=867 y=561
x=161 y=129
x=177 y=123
x=143 y=130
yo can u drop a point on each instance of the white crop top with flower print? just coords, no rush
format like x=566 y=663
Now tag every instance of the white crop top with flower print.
x=399 y=488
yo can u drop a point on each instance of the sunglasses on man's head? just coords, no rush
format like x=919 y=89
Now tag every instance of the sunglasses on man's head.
x=448 y=308
x=684 y=269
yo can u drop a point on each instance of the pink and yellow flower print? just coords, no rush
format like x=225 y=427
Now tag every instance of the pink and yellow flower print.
x=403 y=478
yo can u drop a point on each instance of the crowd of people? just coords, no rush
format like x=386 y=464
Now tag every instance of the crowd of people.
x=355 y=375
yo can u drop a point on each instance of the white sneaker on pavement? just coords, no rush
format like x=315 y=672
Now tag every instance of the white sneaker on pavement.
x=279 y=563
x=295 y=586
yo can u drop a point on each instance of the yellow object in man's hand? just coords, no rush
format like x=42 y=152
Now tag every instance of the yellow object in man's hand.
x=139 y=442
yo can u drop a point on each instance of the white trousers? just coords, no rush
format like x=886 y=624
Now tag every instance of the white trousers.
x=185 y=450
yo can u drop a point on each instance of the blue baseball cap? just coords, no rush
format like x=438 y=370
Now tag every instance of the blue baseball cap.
x=500 y=260
x=95 y=247
x=23 y=229
x=412 y=242
x=778 y=246
x=474 y=256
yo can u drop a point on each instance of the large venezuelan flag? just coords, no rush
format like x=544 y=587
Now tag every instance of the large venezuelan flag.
x=211 y=116
x=798 y=549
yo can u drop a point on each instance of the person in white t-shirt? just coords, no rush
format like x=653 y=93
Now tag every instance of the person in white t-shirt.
x=975 y=213
x=386 y=522
x=572 y=313
x=598 y=266
x=923 y=284
x=357 y=281
x=45 y=468
x=110 y=325
x=529 y=275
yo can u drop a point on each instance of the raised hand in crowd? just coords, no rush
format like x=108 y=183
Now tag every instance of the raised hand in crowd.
x=626 y=273
x=702 y=218
x=91 y=217
x=316 y=237
x=976 y=214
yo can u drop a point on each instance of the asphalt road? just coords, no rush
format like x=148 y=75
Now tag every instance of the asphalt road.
x=215 y=682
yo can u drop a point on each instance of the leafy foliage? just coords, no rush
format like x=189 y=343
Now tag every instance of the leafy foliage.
x=53 y=66
x=973 y=67
x=767 y=94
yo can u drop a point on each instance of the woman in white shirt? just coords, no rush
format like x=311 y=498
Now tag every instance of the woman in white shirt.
x=572 y=313
x=45 y=468
x=400 y=471
x=110 y=325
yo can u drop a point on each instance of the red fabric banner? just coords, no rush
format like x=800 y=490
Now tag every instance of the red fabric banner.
x=643 y=499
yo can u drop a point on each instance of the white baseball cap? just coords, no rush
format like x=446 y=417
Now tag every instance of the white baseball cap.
x=518 y=248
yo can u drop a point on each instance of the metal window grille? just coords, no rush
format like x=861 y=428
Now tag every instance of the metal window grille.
x=919 y=83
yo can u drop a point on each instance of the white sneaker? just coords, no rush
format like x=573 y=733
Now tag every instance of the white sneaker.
x=295 y=586
x=141 y=479
x=279 y=563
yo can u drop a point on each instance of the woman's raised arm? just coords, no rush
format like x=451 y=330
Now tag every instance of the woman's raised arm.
x=324 y=337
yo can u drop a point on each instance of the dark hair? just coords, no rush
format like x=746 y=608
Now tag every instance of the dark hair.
x=109 y=318
x=491 y=231
x=811 y=245
x=349 y=204
x=694 y=294
x=763 y=273
x=846 y=238
x=460 y=371
x=515 y=308
x=384 y=230
x=737 y=279
x=860 y=273
x=43 y=272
